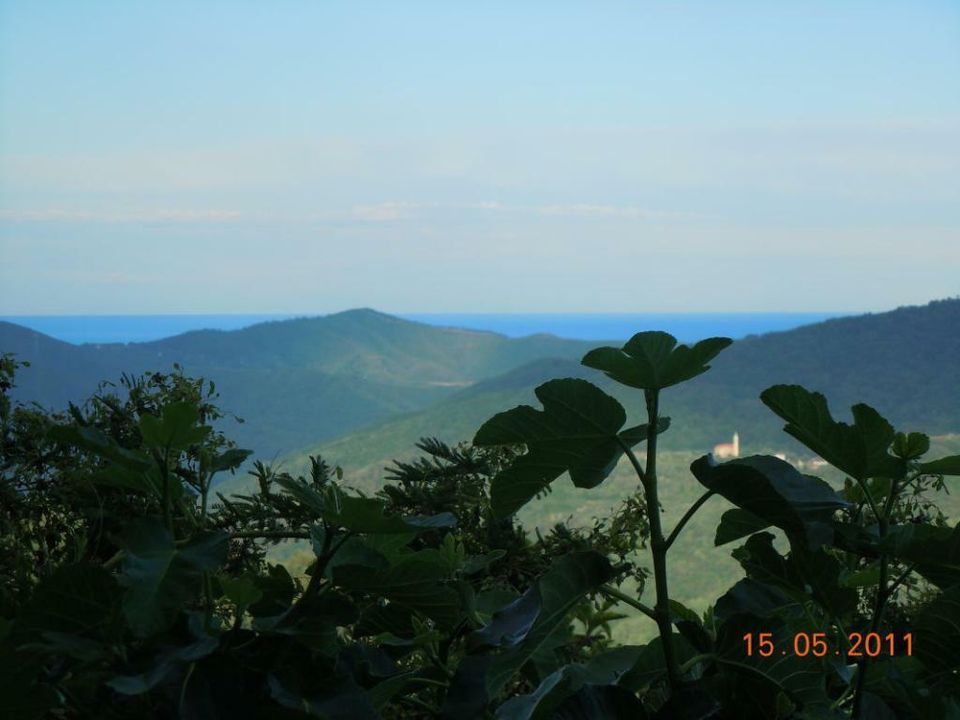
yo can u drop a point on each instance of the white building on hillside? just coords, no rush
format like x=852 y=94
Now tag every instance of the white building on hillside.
x=728 y=450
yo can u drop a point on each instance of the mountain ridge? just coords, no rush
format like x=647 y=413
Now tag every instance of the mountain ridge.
x=871 y=358
x=295 y=381
x=303 y=383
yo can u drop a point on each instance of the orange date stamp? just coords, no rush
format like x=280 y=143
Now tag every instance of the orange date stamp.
x=817 y=644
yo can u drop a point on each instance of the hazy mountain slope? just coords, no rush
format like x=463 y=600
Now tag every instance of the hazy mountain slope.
x=906 y=363
x=363 y=344
x=295 y=381
x=59 y=372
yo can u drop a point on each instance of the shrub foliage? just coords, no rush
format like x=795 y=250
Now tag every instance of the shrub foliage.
x=131 y=588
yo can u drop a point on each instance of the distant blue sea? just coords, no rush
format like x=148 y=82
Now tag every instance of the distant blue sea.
x=688 y=327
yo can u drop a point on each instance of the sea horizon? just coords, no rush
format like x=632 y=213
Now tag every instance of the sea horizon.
x=687 y=327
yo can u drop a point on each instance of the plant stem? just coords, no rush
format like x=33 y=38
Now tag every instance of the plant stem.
x=163 y=461
x=438 y=663
x=331 y=551
x=842 y=699
x=687 y=515
x=115 y=560
x=420 y=704
x=208 y=598
x=882 y=594
x=428 y=681
x=204 y=491
x=183 y=688
x=658 y=545
x=900 y=578
x=612 y=592
x=637 y=467
x=869 y=496
x=696 y=659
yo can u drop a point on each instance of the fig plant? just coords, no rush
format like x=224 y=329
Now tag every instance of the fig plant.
x=852 y=553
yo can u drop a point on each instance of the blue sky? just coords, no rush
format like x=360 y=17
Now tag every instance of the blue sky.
x=162 y=157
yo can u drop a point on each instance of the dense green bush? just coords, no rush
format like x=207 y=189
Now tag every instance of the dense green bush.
x=132 y=589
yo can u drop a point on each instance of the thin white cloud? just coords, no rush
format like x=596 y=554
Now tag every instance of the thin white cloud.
x=390 y=210
x=608 y=211
x=382 y=212
x=402 y=210
x=134 y=216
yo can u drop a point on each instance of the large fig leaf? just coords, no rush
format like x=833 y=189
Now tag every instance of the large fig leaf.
x=561 y=588
x=604 y=669
x=609 y=702
x=167 y=662
x=937 y=631
x=327 y=697
x=276 y=589
x=161 y=576
x=751 y=597
x=467 y=696
x=578 y=431
x=554 y=596
x=901 y=681
x=737 y=523
x=801 y=574
x=860 y=450
x=934 y=551
x=415 y=581
x=949 y=465
x=693 y=701
x=653 y=360
x=312 y=622
x=771 y=489
x=509 y=625
x=803 y=679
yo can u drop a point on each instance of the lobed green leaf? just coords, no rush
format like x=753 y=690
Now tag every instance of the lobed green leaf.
x=653 y=360
x=861 y=449
x=578 y=431
x=776 y=492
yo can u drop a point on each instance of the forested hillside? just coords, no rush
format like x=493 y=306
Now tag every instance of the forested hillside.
x=874 y=359
x=296 y=381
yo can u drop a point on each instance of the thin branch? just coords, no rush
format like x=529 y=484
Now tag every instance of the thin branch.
x=696 y=659
x=687 y=515
x=628 y=451
x=882 y=596
x=331 y=551
x=115 y=560
x=612 y=592
x=900 y=578
x=869 y=496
